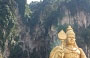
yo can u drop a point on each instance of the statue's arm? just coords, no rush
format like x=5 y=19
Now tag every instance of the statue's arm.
x=82 y=54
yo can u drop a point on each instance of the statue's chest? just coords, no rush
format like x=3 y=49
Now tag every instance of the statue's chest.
x=72 y=53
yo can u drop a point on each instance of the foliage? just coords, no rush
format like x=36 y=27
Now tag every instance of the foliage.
x=78 y=5
x=8 y=29
x=7 y=20
x=86 y=35
x=27 y=11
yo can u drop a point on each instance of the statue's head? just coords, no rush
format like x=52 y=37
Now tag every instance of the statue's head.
x=70 y=36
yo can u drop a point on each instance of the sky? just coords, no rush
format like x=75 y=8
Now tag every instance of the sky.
x=29 y=1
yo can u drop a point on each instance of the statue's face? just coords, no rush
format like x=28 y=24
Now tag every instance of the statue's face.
x=71 y=39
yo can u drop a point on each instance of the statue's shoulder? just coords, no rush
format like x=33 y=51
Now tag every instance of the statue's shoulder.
x=82 y=53
x=81 y=50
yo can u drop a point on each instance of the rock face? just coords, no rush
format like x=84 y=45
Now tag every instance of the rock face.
x=56 y=15
x=81 y=19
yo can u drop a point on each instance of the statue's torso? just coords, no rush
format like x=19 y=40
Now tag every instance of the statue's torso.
x=71 y=53
x=68 y=53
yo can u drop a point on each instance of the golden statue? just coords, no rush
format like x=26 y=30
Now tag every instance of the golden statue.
x=68 y=48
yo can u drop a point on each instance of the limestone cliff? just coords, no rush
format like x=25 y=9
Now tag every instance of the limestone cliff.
x=32 y=33
x=54 y=15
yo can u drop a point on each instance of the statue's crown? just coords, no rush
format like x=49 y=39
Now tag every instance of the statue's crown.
x=70 y=31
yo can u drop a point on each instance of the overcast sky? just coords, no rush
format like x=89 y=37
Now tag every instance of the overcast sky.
x=29 y=1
